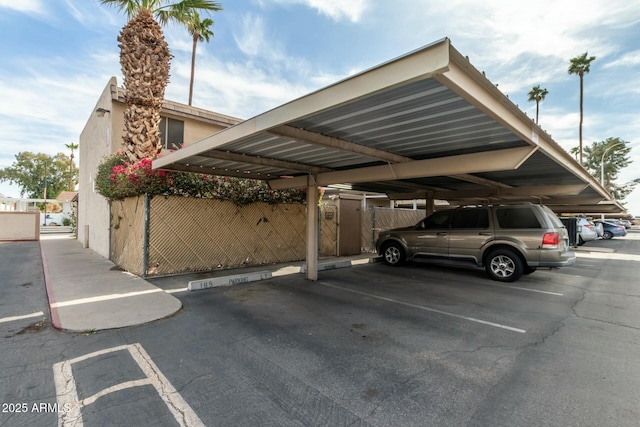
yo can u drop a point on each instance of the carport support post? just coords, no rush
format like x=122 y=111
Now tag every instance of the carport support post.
x=145 y=243
x=312 y=230
x=429 y=205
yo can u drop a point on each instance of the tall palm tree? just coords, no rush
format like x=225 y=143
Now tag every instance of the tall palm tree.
x=537 y=94
x=574 y=151
x=71 y=146
x=145 y=61
x=201 y=32
x=580 y=66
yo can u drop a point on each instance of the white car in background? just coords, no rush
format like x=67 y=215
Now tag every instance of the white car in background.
x=587 y=231
x=599 y=228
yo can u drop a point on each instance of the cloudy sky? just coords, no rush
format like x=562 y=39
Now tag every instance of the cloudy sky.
x=58 y=55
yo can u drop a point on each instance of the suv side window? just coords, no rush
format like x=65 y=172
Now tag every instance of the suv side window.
x=437 y=220
x=470 y=218
x=517 y=217
x=551 y=216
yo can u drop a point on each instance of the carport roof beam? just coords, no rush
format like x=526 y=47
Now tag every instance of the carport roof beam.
x=535 y=190
x=528 y=191
x=262 y=161
x=488 y=161
x=336 y=143
x=219 y=171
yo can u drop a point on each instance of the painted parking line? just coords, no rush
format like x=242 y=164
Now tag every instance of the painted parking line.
x=25 y=316
x=102 y=298
x=432 y=310
x=177 y=290
x=611 y=256
x=67 y=395
x=518 y=288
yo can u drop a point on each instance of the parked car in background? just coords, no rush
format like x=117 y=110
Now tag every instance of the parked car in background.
x=584 y=229
x=599 y=229
x=587 y=231
x=622 y=222
x=612 y=229
x=507 y=240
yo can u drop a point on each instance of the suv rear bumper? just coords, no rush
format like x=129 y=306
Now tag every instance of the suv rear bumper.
x=555 y=260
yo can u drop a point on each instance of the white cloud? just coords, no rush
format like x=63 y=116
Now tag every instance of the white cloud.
x=337 y=10
x=629 y=59
x=47 y=104
x=25 y=6
x=239 y=89
x=250 y=38
x=77 y=14
x=498 y=31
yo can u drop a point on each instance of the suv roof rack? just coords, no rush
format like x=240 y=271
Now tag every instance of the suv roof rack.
x=477 y=205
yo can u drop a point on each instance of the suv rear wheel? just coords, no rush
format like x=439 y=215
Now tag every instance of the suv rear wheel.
x=504 y=265
x=393 y=254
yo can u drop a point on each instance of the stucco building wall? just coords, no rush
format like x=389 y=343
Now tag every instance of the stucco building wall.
x=102 y=136
x=96 y=141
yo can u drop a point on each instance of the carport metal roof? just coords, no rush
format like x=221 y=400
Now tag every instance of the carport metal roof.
x=425 y=125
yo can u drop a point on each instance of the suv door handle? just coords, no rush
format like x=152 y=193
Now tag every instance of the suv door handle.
x=484 y=233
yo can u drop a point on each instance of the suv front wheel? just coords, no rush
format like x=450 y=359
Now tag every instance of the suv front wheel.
x=393 y=254
x=504 y=265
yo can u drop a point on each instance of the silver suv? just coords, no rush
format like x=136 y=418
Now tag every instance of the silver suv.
x=507 y=240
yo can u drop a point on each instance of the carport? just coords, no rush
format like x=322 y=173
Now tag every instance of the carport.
x=427 y=125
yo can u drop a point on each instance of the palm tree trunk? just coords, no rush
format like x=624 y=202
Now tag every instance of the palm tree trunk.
x=580 y=131
x=144 y=57
x=537 y=109
x=71 y=172
x=193 y=66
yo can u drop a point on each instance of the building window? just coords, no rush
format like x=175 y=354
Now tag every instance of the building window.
x=171 y=133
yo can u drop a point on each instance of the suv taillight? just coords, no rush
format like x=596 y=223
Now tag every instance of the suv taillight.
x=550 y=240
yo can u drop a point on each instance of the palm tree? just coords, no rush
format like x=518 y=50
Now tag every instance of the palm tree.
x=71 y=147
x=145 y=61
x=537 y=94
x=580 y=66
x=199 y=30
x=574 y=151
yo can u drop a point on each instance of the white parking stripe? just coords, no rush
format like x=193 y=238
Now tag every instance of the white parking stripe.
x=433 y=310
x=177 y=290
x=103 y=298
x=528 y=289
x=26 y=316
x=67 y=395
x=176 y=404
x=129 y=384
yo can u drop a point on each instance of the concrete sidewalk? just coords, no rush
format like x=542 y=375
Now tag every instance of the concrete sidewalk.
x=86 y=294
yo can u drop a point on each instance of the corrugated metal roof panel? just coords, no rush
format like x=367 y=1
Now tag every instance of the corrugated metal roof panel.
x=431 y=114
x=539 y=169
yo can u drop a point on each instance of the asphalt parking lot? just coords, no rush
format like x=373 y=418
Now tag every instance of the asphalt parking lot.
x=424 y=345
x=369 y=345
